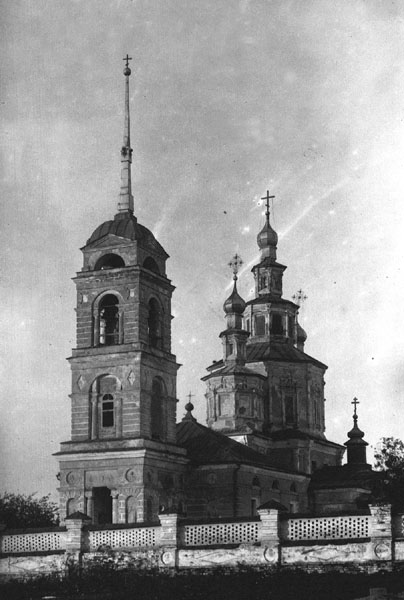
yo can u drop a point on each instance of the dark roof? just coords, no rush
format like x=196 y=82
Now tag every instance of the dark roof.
x=234 y=369
x=282 y=352
x=268 y=262
x=125 y=226
x=345 y=476
x=270 y=298
x=205 y=446
x=274 y=504
x=78 y=515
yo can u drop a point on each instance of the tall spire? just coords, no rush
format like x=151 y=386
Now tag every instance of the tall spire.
x=125 y=202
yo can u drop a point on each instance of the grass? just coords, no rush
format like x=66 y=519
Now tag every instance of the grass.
x=105 y=583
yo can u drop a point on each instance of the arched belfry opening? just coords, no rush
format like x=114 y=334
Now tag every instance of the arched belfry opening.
x=157 y=421
x=109 y=322
x=154 y=324
x=151 y=265
x=109 y=261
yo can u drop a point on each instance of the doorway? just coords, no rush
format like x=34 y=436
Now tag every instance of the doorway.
x=102 y=505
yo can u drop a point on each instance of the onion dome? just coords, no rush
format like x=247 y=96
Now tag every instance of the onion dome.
x=189 y=407
x=234 y=303
x=301 y=334
x=267 y=236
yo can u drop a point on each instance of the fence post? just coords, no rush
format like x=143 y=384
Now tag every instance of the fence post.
x=380 y=532
x=75 y=537
x=269 y=535
x=169 y=535
x=3 y=527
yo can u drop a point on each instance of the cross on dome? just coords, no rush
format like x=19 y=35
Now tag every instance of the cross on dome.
x=355 y=402
x=235 y=264
x=299 y=297
x=267 y=198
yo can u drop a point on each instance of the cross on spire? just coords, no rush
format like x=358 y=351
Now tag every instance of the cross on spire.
x=355 y=402
x=190 y=396
x=235 y=265
x=267 y=198
x=127 y=59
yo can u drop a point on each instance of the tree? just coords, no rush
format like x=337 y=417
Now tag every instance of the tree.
x=19 y=511
x=389 y=458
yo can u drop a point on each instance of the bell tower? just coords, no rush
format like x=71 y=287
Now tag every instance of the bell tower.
x=122 y=461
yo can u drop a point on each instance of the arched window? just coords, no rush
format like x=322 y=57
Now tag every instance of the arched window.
x=293 y=488
x=71 y=506
x=106 y=418
x=259 y=325
x=256 y=482
x=151 y=265
x=109 y=261
x=275 y=484
x=154 y=324
x=276 y=324
x=156 y=410
x=109 y=320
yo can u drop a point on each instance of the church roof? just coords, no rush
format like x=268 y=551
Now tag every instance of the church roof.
x=270 y=298
x=268 y=262
x=126 y=226
x=345 y=476
x=233 y=369
x=263 y=351
x=205 y=446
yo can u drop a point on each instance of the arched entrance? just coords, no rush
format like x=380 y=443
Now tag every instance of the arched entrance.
x=102 y=505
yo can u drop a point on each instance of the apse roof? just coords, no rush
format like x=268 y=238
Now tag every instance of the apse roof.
x=234 y=369
x=205 y=446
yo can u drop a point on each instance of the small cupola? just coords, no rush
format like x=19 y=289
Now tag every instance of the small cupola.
x=267 y=239
x=234 y=306
x=356 y=445
x=301 y=337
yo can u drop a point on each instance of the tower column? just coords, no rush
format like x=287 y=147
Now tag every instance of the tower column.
x=89 y=504
x=115 y=506
x=94 y=423
x=120 y=326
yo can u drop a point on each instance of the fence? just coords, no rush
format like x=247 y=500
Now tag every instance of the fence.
x=328 y=528
x=176 y=542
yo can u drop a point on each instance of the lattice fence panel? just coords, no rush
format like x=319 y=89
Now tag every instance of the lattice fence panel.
x=326 y=528
x=220 y=533
x=123 y=538
x=32 y=542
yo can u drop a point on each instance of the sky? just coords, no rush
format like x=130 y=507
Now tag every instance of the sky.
x=228 y=98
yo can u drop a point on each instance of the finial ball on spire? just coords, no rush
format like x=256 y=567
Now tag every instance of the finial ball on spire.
x=127 y=70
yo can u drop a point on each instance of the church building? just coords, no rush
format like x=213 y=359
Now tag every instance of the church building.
x=127 y=458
